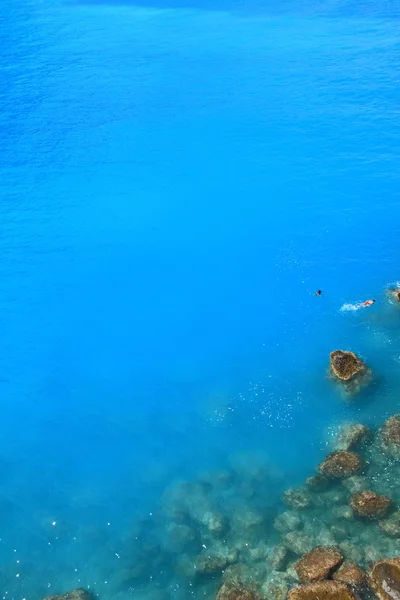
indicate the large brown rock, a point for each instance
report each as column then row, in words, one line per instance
column 369, row 505
column 235, row 591
column 318, row 564
column 351, row 574
column 345, row 365
column 322, row 590
column 385, row 576
column 78, row 594
column 341, row 464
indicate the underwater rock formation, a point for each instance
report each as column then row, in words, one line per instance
column 390, row 434
column 347, row 369
column 235, row 591
column 345, row 365
column 322, row 590
column 369, row 505
column 279, row 558
column 341, row 464
column 317, row 483
column 353, row 436
column 287, row 521
column 391, row 527
column 298, row 542
column 351, row 574
column 297, row 498
column 318, row 564
column 215, row 562
column 394, row 293
column 385, row 576
column 78, row 594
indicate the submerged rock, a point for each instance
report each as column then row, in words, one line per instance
column 297, row 498
column 317, row 483
column 356, row 483
column 322, row 590
column 78, row 594
column 352, row 552
column 390, row 527
column 216, row 523
column 298, row 542
column 369, row 505
column 345, row 365
column 279, row 558
column 390, row 434
column 385, row 576
column 287, row 521
column 394, row 293
column 235, row 591
column 353, row 436
column 216, row 561
column 318, row 564
column 341, row 464
column 351, row 574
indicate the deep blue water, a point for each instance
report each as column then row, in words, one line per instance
column 176, row 182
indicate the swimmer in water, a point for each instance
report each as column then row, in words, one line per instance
column 318, row 293
column 358, row 306
column 366, row 304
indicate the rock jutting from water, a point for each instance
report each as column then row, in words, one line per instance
column 341, row 464
column 385, row 577
column 369, row 505
column 235, row 591
column 318, row 563
column 322, row 590
column 394, row 293
column 351, row 574
column 349, row 370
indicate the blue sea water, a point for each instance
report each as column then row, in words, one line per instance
column 176, row 182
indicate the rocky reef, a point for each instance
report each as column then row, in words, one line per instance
column 244, row 534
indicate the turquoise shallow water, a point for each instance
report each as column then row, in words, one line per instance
column 176, row 183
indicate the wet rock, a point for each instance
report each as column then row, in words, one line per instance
column 317, row 483
column 351, row 574
column 298, row 542
column 335, row 496
column 215, row 562
column 235, row 591
column 276, row 591
column 353, row 436
column 78, row 594
column 345, row 365
column 318, row 564
column 343, row 513
column 279, row 558
column 341, row 464
column 322, row 590
column 287, row 521
column 351, row 552
column 390, row 434
column 394, row 293
column 385, row 576
column 390, row 527
column 239, row 573
column 297, row 498
column 369, row 505
column 339, row 532
column 216, row 524
column 357, row 483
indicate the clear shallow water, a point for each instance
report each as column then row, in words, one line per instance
column 176, row 183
